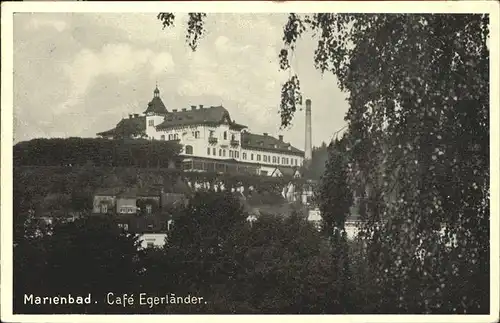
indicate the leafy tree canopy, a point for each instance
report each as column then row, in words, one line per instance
column 417, row 143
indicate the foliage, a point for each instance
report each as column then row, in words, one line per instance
column 98, row 152
column 316, row 166
column 90, row 255
column 418, row 143
column 335, row 196
column 195, row 26
column 274, row 265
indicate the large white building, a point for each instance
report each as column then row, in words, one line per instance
column 211, row 140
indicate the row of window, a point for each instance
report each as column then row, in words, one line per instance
column 104, row 209
column 222, row 153
column 236, row 154
column 195, row 134
column 218, row 167
column 274, row 159
column 170, row 137
column 224, row 135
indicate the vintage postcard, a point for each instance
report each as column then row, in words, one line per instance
column 305, row 159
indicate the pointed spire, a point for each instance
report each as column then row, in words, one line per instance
column 156, row 91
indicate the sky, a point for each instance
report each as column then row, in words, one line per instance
column 76, row 74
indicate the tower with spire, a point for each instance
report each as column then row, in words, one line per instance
column 155, row 112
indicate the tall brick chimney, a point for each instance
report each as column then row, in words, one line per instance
column 308, row 143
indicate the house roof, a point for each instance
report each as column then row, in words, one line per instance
column 126, row 127
column 267, row 143
column 156, row 106
column 288, row 171
column 199, row 115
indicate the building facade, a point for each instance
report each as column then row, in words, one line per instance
column 211, row 140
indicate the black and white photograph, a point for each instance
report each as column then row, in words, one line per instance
column 277, row 158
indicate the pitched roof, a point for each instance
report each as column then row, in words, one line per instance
column 288, row 171
column 127, row 127
column 156, row 106
column 267, row 143
column 211, row 115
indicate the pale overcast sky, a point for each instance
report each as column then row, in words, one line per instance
column 76, row 74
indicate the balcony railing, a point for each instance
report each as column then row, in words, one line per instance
column 235, row 142
column 212, row 140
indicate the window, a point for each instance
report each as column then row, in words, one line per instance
column 244, row 155
column 104, row 208
column 232, row 137
column 265, row 158
column 162, row 137
column 225, row 135
column 230, row 153
column 274, row 159
column 223, row 153
column 295, row 162
column 151, row 123
column 176, row 136
column 283, row 160
column 208, row 151
column 258, row 157
column 220, row 152
column 268, row 159
column 150, row 226
column 214, row 152
column 211, row 133
column 189, row 150
column 150, row 245
column 251, row 156
column 196, row 134
column 149, row 209
column 237, row 154
column 169, row 137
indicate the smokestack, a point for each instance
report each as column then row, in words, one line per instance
column 308, row 143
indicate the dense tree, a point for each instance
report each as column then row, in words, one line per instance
column 316, row 167
column 418, row 122
column 97, row 152
column 418, row 119
column 92, row 255
column 205, row 241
